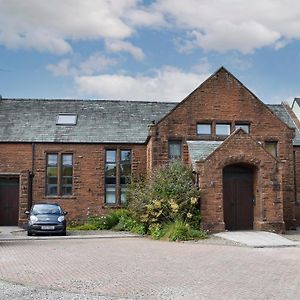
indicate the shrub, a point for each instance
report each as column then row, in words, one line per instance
column 127, row 223
column 168, row 195
column 99, row 222
column 167, row 203
column 156, row 231
column 137, row 197
column 181, row 231
column 85, row 226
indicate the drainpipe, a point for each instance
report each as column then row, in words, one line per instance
column 30, row 177
column 295, row 178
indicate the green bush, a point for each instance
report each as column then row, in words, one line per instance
column 127, row 223
column 168, row 195
column 137, row 196
column 181, row 231
column 167, row 203
column 85, row 226
column 156, row 231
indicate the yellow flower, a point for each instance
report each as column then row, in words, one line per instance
column 193, row 200
column 174, row 207
column 189, row 215
column 149, row 207
column 144, row 218
column 157, row 204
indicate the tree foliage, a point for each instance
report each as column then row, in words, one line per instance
column 169, row 194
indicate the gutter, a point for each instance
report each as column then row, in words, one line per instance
column 30, row 178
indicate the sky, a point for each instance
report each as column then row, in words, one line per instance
column 147, row 50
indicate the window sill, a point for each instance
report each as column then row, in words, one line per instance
column 113, row 205
column 60, row 197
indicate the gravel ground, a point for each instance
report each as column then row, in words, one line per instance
column 12, row 291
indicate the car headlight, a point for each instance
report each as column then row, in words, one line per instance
column 61, row 219
column 33, row 219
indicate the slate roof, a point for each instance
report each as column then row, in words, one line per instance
column 200, row 150
column 282, row 113
column 99, row 121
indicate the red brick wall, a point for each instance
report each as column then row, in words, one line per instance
column 223, row 99
column 297, row 183
column 89, row 164
column 15, row 159
column 241, row 149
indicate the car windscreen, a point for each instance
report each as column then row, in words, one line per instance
column 40, row 209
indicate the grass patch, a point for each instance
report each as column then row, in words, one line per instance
column 180, row 231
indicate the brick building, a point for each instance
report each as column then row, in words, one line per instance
column 82, row 154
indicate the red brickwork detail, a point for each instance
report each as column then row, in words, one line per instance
column 89, row 165
column 88, row 179
column 222, row 98
column 242, row 149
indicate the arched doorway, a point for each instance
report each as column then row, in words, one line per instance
column 238, row 197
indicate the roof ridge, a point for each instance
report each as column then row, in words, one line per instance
column 85, row 100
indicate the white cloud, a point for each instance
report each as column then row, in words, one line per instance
column 94, row 64
column 146, row 17
column 167, row 84
column 244, row 37
column 117, row 46
column 233, row 24
column 211, row 25
column 50, row 25
column 62, row 68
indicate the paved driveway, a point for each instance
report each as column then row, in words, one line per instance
column 139, row 268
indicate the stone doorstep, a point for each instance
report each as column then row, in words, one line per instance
column 257, row 239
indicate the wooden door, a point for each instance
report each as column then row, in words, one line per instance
column 238, row 198
column 9, row 201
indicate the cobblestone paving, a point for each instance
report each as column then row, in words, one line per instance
column 139, row 268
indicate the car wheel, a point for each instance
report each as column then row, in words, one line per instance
column 29, row 233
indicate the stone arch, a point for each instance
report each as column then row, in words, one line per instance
column 240, row 159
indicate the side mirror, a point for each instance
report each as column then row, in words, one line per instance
column 27, row 212
column 65, row 213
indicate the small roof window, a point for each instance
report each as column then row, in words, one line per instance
column 66, row 119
